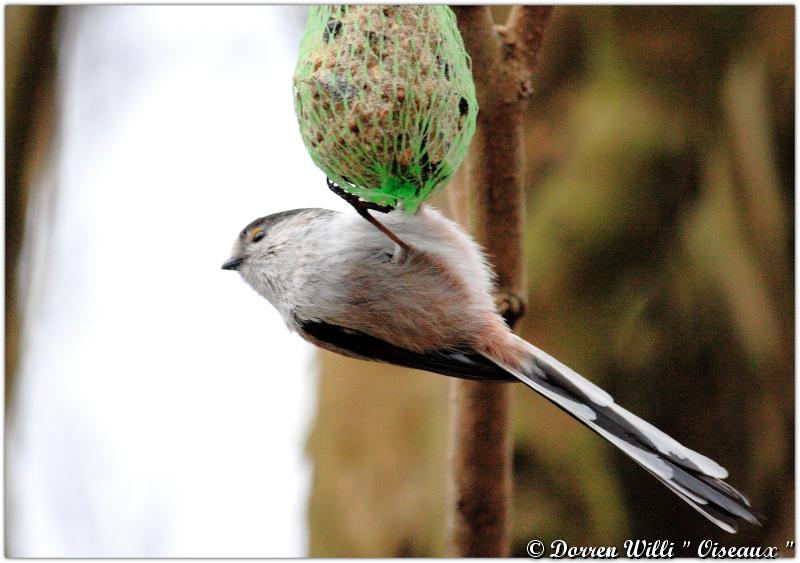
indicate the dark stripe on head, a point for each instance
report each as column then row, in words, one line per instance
column 270, row 221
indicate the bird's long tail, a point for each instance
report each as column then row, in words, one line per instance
column 692, row 476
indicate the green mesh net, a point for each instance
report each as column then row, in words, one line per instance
column 385, row 99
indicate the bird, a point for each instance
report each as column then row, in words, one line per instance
column 420, row 296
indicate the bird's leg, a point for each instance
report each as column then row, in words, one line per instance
column 510, row 306
column 381, row 227
column 362, row 208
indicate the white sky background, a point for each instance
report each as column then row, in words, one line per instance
column 162, row 406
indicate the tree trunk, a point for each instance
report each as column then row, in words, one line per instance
column 491, row 204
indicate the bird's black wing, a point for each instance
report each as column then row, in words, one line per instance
column 454, row 363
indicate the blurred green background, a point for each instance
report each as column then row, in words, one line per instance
column 660, row 242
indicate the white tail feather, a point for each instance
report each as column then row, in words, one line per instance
column 692, row 476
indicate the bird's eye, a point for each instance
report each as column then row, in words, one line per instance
column 257, row 236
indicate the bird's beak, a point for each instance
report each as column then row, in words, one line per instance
column 232, row 263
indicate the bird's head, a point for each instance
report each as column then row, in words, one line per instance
column 260, row 246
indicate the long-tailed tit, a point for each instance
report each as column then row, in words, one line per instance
column 344, row 286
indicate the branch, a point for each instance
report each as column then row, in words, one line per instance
column 482, row 44
column 527, row 24
column 480, row 443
